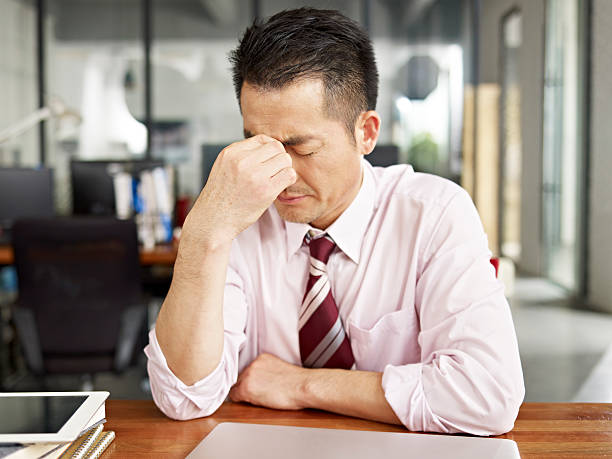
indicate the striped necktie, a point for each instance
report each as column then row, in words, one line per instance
column 323, row 342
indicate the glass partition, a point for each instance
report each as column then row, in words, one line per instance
column 562, row 142
column 18, row 84
column 511, row 138
column 93, row 51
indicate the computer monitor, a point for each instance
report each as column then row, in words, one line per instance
column 93, row 191
column 210, row 151
column 24, row 192
column 384, row 155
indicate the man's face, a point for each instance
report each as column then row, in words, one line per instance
column 324, row 156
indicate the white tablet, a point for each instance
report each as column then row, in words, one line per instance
column 54, row 417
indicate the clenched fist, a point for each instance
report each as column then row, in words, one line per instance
column 244, row 181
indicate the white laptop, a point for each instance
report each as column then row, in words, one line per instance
column 237, row 440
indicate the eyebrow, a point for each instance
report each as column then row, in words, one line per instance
column 290, row 141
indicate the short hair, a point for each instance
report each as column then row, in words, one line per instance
column 308, row 43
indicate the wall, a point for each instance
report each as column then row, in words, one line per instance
column 531, row 63
column 600, row 242
column 18, row 79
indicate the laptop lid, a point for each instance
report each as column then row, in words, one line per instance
column 237, row 440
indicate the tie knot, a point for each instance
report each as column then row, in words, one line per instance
column 321, row 248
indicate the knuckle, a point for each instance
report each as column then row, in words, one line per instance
column 260, row 188
column 225, row 151
column 242, row 165
column 278, row 145
column 246, row 387
column 236, row 394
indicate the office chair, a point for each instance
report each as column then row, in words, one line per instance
column 79, row 308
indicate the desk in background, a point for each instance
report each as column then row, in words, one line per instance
column 542, row 430
column 159, row 255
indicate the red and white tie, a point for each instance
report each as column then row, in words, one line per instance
column 323, row 342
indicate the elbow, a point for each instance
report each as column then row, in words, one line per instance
column 494, row 417
column 175, row 414
column 497, row 422
column 483, row 413
column 502, row 419
column 184, row 409
column 185, row 403
column 477, row 421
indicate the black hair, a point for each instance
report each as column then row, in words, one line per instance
column 308, row 43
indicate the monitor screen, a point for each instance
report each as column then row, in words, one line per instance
column 209, row 155
column 384, row 155
column 24, row 193
column 44, row 414
column 93, row 192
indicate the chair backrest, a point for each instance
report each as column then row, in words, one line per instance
column 77, row 276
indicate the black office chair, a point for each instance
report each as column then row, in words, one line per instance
column 80, row 309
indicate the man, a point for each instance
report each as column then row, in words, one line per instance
column 307, row 278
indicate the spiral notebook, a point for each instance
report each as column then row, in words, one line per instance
column 89, row 445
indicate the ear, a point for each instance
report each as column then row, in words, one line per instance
column 367, row 130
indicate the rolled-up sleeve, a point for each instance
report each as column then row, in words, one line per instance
column 179, row 401
column 470, row 377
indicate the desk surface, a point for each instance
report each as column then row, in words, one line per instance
column 159, row 255
column 543, row 430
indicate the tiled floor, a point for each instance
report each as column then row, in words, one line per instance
column 561, row 347
column 566, row 354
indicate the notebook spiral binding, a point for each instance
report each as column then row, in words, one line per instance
column 100, row 445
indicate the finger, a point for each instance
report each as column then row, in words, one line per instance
column 257, row 141
column 246, row 146
column 258, row 153
column 275, row 164
column 284, row 178
column 233, row 395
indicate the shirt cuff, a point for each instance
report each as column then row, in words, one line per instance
column 403, row 389
column 178, row 400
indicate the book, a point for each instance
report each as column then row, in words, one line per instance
column 89, row 445
column 56, row 453
column 100, row 445
column 79, row 448
column 37, row 450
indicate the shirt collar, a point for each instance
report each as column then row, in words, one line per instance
column 349, row 228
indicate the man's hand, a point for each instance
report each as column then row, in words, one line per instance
column 271, row 382
column 245, row 179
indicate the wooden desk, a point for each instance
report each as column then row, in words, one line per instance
column 542, row 430
column 159, row 255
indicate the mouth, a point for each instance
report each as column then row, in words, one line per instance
column 290, row 199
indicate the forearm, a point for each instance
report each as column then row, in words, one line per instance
column 352, row 393
column 189, row 328
column 272, row 382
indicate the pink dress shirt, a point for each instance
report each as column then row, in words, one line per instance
column 416, row 293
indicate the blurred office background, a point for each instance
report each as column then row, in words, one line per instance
column 109, row 104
